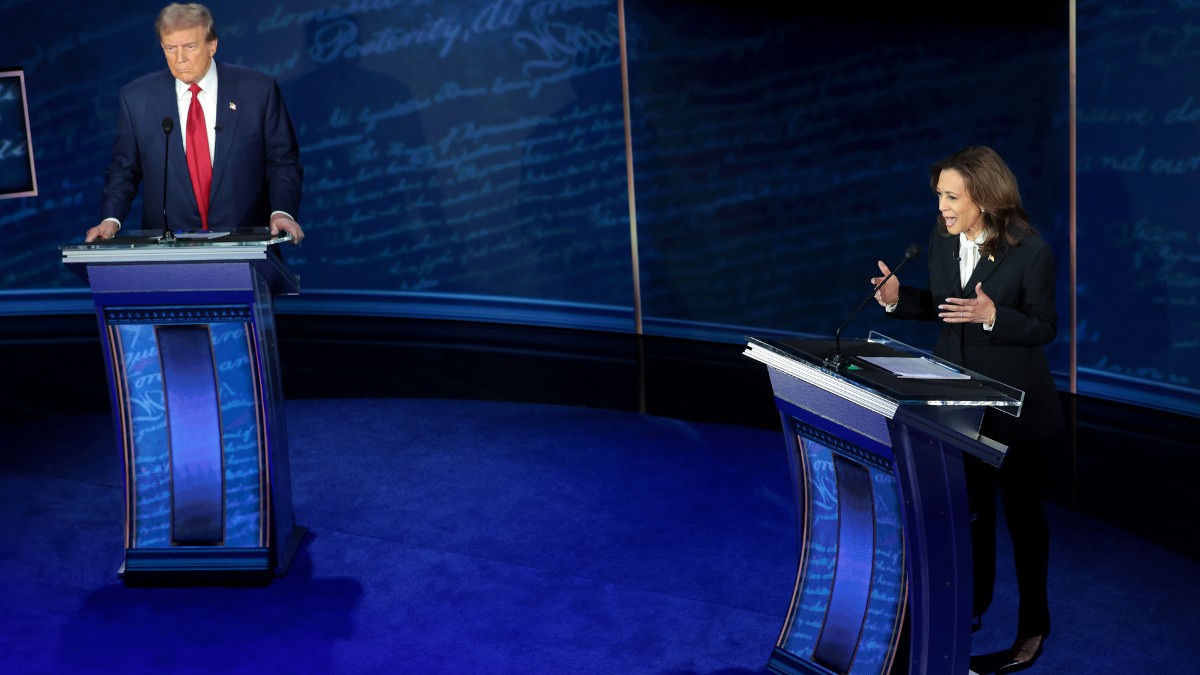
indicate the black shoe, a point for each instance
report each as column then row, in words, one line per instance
column 1023, row 654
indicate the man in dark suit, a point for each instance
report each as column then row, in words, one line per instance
column 992, row 288
column 234, row 162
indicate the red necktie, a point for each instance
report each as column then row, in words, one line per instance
column 199, row 163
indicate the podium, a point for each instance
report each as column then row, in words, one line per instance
column 188, row 335
column 884, row 577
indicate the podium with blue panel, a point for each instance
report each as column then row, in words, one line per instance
column 187, row 328
column 876, row 432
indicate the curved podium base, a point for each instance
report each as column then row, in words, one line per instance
column 208, row 565
column 189, row 340
column 883, row 585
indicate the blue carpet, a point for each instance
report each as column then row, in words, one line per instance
column 472, row 537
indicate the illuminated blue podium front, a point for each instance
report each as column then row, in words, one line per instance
column 884, row 577
column 187, row 329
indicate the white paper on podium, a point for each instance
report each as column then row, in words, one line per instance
column 916, row 367
column 200, row 235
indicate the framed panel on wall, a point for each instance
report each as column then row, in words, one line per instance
column 17, row 175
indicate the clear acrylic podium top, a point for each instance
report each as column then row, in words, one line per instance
column 257, row 246
column 141, row 245
column 861, row 375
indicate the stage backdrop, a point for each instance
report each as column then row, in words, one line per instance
column 1139, row 202
column 468, row 159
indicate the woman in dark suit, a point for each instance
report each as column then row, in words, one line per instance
column 991, row 285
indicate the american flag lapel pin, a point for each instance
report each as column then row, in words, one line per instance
column 232, row 105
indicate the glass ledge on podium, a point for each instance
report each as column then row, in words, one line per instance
column 956, row 402
column 254, row 245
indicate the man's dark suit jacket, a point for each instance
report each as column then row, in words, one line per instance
column 1020, row 280
column 256, row 167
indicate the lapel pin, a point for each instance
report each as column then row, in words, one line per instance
column 991, row 258
column 232, row 105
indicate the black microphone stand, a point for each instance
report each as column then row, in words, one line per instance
column 836, row 362
column 168, row 237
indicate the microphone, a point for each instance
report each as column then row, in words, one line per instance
column 836, row 361
column 168, row 125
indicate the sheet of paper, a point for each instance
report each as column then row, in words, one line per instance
column 917, row 367
column 199, row 235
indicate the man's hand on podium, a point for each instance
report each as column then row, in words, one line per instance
column 282, row 223
column 107, row 229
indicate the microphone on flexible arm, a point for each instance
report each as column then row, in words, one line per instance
column 167, row 125
column 836, row 361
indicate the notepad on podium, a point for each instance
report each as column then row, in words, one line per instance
column 916, row 367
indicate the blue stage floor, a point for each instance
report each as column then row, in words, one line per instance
column 490, row 537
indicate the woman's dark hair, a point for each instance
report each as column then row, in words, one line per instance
column 992, row 185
